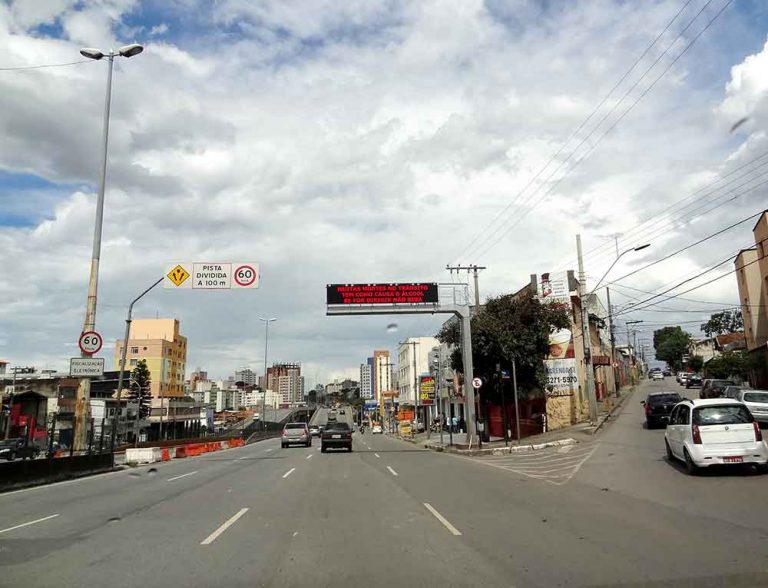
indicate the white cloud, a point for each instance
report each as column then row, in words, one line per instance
column 372, row 153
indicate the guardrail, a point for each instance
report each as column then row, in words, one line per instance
column 22, row 473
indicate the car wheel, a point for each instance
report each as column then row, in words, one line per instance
column 690, row 467
column 350, row 449
column 283, row 445
column 322, row 449
column 11, row 456
column 649, row 424
column 670, row 455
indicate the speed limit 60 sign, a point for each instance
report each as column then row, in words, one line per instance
column 90, row 342
column 245, row 275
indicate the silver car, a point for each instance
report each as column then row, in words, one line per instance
column 757, row 403
column 296, row 433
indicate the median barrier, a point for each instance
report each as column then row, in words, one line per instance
column 165, row 455
column 32, row 472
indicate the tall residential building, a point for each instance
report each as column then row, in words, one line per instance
column 413, row 361
column 247, row 376
column 382, row 374
column 752, row 277
column 366, row 390
column 286, row 380
column 159, row 342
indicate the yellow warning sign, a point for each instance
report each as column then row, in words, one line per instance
column 178, row 275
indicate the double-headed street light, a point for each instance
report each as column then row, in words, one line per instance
column 266, row 322
column 84, row 389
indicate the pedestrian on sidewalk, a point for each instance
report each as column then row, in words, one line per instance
column 462, row 425
column 454, row 424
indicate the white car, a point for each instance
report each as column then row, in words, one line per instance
column 657, row 376
column 376, row 430
column 714, row 431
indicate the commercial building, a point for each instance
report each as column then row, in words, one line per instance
column 286, row 380
column 412, row 361
column 752, row 278
column 247, row 376
column 159, row 342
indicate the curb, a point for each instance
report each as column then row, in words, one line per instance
column 503, row 450
column 606, row 417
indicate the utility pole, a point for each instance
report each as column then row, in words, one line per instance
column 474, row 269
column 611, row 330
column 413, row 345
column 586, row 338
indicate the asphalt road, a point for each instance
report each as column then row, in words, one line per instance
column 610, row 511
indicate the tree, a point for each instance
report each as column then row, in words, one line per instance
column 671, row 343
column 141, row 390
column 731, row 364
column 509, row 327
column 727, row 321
column 695, row 363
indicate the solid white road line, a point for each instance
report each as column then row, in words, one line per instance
column 288, row 473
column 29, row 523
column 377, row 455
column 182, row 476
column 310, row 455
column 394, row 473
column 442, row 519
column 212, row 537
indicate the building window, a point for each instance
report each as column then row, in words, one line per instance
column 134, row 361
column 134, row 349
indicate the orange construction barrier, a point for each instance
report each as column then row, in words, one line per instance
column 166, row 455
column 181, row 451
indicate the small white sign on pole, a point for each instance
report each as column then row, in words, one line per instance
column 477, row 383
column 86, row 366
column 212, row 275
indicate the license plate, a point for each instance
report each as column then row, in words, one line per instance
column 733, row 459
column 335, row 436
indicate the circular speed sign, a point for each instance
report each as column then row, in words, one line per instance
column 477, row 383
column 245, row 275
column 90, row 342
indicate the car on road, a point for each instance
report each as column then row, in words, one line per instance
column 657, row 375
column 756, row 401
column 314, row 430
column 693, row 380
column 15, row 447
column 336, row 436
column 653, row 371
column 681, row 377
column 658, row 406
column 376, row 429
column 667, row 372
column 296, row 433
column 708, row 432
column 711, row 388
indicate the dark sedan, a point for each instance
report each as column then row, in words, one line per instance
column 658, row 406
column 337, row 435
column 693, row 380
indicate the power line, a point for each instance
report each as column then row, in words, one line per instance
column 26, row 67
column 518, row 219
column 516, row 198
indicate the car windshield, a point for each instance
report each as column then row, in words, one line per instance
column 756, row 397
column 295, row 426
column 723, row 414
column 664, row 398
column 337, row 427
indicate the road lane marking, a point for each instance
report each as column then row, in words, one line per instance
column 442, row 519
column 182, row 476
column 29, row 523
column 288, row 473
column 565, row 449
column 394, row 473
column 310, row 455
column 268, row 450
column 212, row 537
column 377, row 455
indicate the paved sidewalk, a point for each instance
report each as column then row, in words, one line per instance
column 582, row 432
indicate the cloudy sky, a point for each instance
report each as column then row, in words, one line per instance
column 369, row 142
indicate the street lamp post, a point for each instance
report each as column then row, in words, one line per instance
column 266, row 380
column 586, row 337
column 84, row 387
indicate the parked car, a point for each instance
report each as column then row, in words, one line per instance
column 667, row 372
column 756, row 401
column 658, row 405
column 14, row 447
column 716, row 431
column 336, row 435
column 314, row 430
column 377, row 430
column 296, row 433
column 693, row 380
column 712, row 388
column 681, row 377
column 657, row 375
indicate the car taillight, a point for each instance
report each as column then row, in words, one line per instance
column 647, row 409
column 758, row 432
column 696, row 435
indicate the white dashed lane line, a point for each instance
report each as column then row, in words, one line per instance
column 377, row 455
column 393, row 472
column 289, row 472
column 212, row 537
column 310, row 455
column 442, row 519
column 27, row 524
column 182, row 476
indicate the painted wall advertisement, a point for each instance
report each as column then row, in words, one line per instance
column 562, row 377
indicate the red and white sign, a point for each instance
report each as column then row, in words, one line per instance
column 245, row 275
column 90, row 342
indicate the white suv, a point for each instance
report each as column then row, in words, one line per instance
column 714, row 431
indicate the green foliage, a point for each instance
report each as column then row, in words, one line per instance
column 141, row 390
column 508, row 328
column 727, row 321
column 731, row 364
column 695, row 363
column 671, row 343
